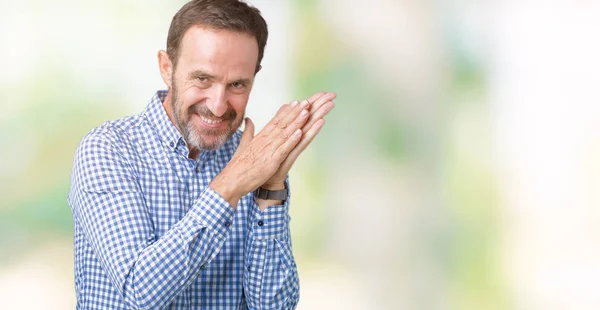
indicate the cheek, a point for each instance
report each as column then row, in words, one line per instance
column 190, row 96
column 238, row 103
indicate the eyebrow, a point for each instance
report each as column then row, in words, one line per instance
column 243, row 81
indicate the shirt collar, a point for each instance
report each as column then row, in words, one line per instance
column 156, row 114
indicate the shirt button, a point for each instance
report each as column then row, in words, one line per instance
column 202, row 267
column 227, row 224
column 182, row 142
column 261, row 223
column 171, row 144
column 248, row 268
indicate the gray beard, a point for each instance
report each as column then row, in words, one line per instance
column 191, row 136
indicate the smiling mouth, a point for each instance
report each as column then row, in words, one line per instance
column 210, row 120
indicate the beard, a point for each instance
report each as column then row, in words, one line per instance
column 206, row 138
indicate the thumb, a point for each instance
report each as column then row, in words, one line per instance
column 248, row 133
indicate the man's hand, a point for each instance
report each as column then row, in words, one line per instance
column 319, row 105
column 258, row 158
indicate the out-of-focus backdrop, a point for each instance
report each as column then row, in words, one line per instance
column 459, row 170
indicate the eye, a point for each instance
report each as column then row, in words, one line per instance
column 202, row 79
column 237, row 85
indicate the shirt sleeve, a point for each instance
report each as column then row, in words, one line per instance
column 270, row 276
column 109, row 206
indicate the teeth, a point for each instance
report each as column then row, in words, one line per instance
column 210, row 121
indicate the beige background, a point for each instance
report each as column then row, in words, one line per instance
column 459, row 170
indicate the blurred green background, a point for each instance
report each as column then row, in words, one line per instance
column 459, row 170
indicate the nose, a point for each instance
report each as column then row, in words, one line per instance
column 216, row 101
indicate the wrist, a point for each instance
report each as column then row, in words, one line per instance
column 271, row 194
column 274, row 186
column 227, row 189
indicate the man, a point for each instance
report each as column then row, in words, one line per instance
column 164, row 203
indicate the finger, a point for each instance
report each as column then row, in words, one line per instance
column 282, row 111
column 316, row 96
column 279, row 116
column 280, row 123
column 307, row 138
column 295, row 110
column 321, row 101
column 318, row 114
column 248, row 134
column 295, row 125
column 284, row 149
column 319, row 108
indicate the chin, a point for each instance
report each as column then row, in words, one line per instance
column 212, row 142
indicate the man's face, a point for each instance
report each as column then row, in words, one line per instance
column 211, row 84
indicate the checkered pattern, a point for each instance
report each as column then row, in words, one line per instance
column 151, row 234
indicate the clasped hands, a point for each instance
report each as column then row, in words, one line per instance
column 265, row 159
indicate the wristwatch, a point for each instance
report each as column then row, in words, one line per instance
column 271, row 195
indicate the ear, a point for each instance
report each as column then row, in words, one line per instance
column 166, row 67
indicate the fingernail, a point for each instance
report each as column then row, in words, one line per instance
column 294, row 103
column 297, row 133
column 303, row 113
column 304, row 103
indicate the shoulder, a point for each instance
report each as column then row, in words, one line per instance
column 112, row 138
column 103, row 160
column 115, row 133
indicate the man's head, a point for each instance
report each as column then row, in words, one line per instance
column 214, row 50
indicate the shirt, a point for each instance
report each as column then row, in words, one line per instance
column 149, row 233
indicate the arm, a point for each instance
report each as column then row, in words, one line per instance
column 264, row 160
column 270, row 277
column 108, row 204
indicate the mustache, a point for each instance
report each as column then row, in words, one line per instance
column 205, row 111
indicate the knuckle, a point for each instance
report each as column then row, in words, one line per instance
column 300, row 120
column 284, row 136
column 282, row 152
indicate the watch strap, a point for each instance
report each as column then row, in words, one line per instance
column 271, row 195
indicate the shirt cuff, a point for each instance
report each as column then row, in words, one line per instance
column 273, row 222
column 212, row 211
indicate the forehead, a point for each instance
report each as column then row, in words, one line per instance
column 218, row 51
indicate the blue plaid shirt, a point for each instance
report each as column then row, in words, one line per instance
column 151, row 234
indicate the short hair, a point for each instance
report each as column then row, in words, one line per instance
column 233, row 15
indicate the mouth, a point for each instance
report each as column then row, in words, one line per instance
column 210, row 122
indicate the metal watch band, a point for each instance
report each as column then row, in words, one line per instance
column 271, row 195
